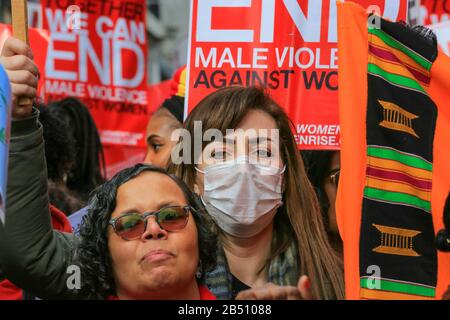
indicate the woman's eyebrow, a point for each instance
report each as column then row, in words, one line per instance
column 151, row 137
column 229, row 140
column 131, row 210
column 155, row 208
column 260, row 139
column 169, row 203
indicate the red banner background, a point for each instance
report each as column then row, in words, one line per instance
column 288, row 46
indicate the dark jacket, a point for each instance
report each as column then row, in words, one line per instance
column 8, row 291
column 32, row 255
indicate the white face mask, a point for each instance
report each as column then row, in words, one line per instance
column 241, row 197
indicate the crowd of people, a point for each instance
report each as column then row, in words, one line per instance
column 238, row 219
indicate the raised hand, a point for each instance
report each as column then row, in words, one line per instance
column 17, row 59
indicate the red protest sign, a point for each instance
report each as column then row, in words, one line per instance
column 117, row 157
column 434, row 11
column 288, row 46
column 98, row 52
column 442, row 31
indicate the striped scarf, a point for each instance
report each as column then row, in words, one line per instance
column 283, row 271
column 393, row 97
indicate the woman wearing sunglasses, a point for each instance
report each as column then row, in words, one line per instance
column 257, row 192
column 145, row 236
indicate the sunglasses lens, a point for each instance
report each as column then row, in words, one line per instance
column 130, row 226
column 172, row 219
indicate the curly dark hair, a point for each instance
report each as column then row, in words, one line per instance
column 92, row 252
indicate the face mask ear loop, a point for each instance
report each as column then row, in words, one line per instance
column 283, row 179
column 198, row 170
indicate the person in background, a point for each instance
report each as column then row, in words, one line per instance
column 443, row 238
column 160, row 128
column 87, row 168
column 167, row 119
column 267, row 216
column 60, row 158
column 88, row 171
column 323, row 168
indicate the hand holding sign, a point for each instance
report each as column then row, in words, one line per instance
column 20, row 29
column 16, row 58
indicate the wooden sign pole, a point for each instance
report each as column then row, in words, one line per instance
column 19, row 13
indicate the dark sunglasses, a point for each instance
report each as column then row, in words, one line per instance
column 131, row 226
column 334, row 177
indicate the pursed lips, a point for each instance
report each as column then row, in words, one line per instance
column 157, row 255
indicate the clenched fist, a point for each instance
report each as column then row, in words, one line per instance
column 17, row 59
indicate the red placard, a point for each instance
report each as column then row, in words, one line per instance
column 442, row 31
column 98, row 53
column 117, row 157
column 288, row 46
column 434, row 11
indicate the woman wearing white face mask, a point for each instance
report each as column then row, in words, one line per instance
column 241, row 195
column 256, row 190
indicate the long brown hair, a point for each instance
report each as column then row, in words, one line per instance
column 224, row 109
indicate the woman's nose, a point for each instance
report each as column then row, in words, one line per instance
column 148, row 158
column 153, row 230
